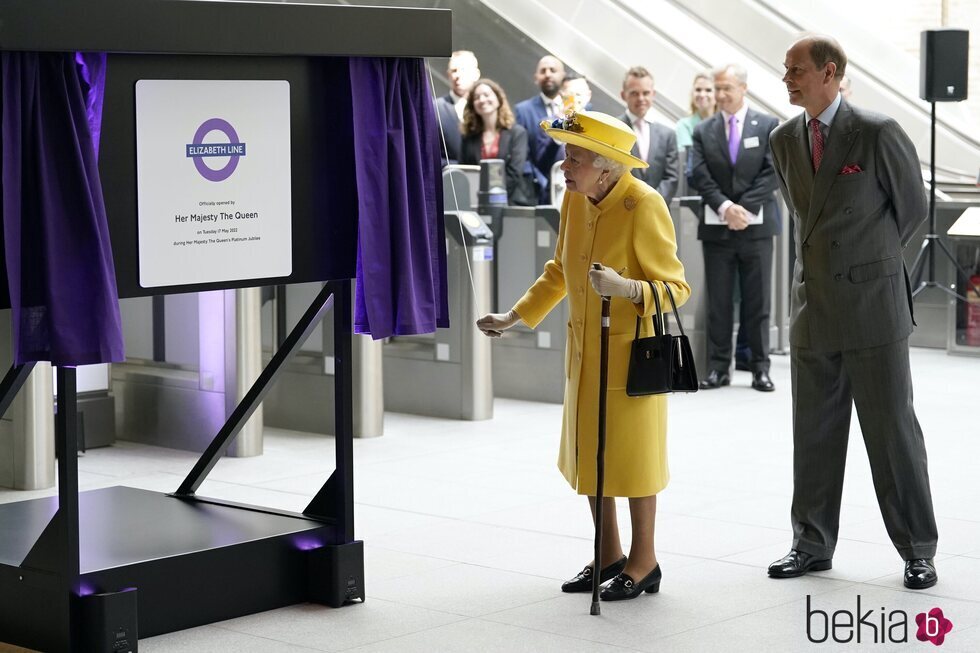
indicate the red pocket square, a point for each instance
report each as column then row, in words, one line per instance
column 850, row 170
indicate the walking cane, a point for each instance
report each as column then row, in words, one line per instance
column 600, row 452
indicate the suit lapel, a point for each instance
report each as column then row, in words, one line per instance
column 839, row 142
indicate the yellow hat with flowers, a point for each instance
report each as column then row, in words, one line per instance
column 597, row 132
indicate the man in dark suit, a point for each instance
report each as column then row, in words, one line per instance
column 544, row 150
column 463, row 71
column 732, row 169
column 852, row 179
column 656, row 144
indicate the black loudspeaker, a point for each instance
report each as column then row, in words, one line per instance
column 107, row 622
column 336, row 573
column 943, row 56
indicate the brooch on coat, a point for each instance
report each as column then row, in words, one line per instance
column 629, row 203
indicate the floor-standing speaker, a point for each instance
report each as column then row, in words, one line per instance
column 943, row 57
column 108, row 622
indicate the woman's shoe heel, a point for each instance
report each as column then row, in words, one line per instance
column 653, row 589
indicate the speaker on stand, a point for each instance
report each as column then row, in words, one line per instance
column 943, row 55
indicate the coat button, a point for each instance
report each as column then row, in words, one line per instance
column 582, row 257
column 838, row 276
column 848, row 211
column 835, row 244
column 588, row 224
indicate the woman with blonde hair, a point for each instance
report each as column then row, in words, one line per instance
column 702, row 107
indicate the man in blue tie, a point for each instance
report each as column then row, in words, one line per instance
column 547, row 104
column 732, row 168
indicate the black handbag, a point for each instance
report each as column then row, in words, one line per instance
column 663, row 362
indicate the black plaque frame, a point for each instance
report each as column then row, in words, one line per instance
column 194, row 560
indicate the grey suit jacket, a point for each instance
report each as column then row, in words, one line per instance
column 751, row 182
column 663, row 172
column 850, row 286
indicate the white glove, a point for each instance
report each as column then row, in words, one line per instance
column 494, row 324
column 608, row 283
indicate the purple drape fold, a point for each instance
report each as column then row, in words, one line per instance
column 401, row 253
column 59, row 268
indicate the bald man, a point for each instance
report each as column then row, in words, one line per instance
column 547, row 104
column 462, row 71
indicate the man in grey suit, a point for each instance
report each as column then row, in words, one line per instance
column 656, row 144
column 852, row 179
column 732, row 168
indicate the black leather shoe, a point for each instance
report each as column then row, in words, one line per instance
column 920, row 574
column 796, row 563
column 742, row 365
column 715, row 379
column 583, row 580
column 762, row 382
column 624, row 587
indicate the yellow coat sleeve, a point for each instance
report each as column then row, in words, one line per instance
column 549, row 289
column 655, row 245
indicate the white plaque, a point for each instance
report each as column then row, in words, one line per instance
column 213, row 181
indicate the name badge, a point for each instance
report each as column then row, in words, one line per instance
column 749, row 143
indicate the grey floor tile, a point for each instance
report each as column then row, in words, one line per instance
column 328, row 629
column 465, row 589
column 478, row 636
column 216, row 640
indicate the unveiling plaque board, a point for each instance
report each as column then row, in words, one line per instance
column 213, row 180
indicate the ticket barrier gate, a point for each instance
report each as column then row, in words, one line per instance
column 527, row 364
column 301, row 399
column 191, row 359
column 448, row 373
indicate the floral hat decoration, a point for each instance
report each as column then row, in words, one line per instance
column 597, row 132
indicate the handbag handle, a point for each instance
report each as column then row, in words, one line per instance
column 670, row 296
column 659, row 319
column 659, row 327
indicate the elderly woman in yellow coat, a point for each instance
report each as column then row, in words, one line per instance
column 610, row 217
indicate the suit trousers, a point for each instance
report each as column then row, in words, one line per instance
column 879, row 382
column 751, row 260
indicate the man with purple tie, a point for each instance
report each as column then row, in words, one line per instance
column 732, row 168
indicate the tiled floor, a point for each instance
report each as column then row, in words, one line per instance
column 469, row 529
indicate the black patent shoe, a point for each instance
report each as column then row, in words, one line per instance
column 797, row 563
column 920, row 574
column 583, row 580
column 624, row 587
column 715, row 379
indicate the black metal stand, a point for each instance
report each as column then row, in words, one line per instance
column 193, row 559
column 927, row 253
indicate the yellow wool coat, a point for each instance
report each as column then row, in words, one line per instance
column 630, row 230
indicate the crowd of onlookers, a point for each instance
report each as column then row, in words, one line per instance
column 727, row 163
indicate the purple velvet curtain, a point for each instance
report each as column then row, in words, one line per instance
column 58, row 260
column 401, row 252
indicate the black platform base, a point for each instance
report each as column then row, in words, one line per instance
column 193, row 562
